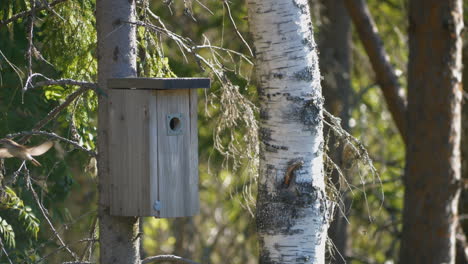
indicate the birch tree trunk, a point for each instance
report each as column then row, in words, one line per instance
column 118, row 236
column 432, row 179
column 292, row 210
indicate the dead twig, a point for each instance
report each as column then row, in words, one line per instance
column 29, row 12
column 84, row 86
column 226, row 4
column 32, row 17
column 46, row 215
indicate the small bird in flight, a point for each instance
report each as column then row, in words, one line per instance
column 12, row 149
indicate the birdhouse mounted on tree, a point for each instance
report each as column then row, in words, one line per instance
column 153, row 146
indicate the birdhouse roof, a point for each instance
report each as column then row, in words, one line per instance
column 158, row 83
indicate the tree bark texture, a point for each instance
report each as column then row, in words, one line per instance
column 118, row 236
column 432, row 179
column 462, row 249
column 292, row 209
column 386, row 77
column 335, row 64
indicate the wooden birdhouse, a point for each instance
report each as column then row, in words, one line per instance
column 153, row 151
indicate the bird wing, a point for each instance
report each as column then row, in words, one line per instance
column 4, row 153
column 40, row 149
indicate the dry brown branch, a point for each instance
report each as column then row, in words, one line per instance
column 167, row 258
column 84, row 86
column 29, row 12
column 386, row 77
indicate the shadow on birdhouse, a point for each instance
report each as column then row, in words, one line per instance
column 153, row 150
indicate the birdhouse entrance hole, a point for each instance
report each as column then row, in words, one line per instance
column 174, row 124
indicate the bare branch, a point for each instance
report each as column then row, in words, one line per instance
column 30, row 35
column 45, row 214
column 168, row 258
column 226, row 4
column 53, row 114
column 224, row 49
column 61, row 248
column 90, row 243
column 29, row 12
column 48, row 81
column 4, row 251
column 53, row 135
column 84, row 86
column 386, row 77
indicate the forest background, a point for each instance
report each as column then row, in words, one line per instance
column 224, row 232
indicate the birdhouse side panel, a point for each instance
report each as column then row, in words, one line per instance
column 129, row 152
column 194, row 207
column 174, row 152
column 153, row 161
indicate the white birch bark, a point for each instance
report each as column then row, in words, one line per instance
column 292, row 219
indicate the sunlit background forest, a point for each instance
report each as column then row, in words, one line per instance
column 224, row 231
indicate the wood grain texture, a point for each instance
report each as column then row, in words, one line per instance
column 158, row 83
column 148, row 162
column 129, row 152
column 194, row 207
column 174, row 154
column 153, row 161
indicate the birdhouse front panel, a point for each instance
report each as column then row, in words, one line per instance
column 154, row 147
column 177, row 144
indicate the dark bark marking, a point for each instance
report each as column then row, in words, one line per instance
column 310, row 114
column 308, row 41
column 278, row 213
column 302, row 7
column 273, row 148
column 305, row 74
column 278, row 75
column 265, row 134
column 306, row 111
column 116, row 22
column 116, row 53
column 264, row 114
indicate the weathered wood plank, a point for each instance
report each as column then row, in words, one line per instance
column 193, row 203
column 173, row 153
column 158, row 83
column 153, row 162
column 129, row 152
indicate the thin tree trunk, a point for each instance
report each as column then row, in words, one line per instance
column 462, row 250
column 335, row 63
column 119, row 241
column 292, row 210
column 432, row 179
column 384, row 72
